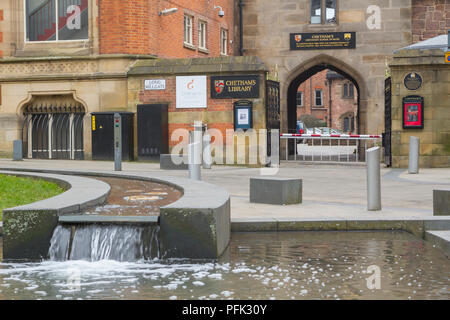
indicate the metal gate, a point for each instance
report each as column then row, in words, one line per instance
column 272, row 110
column 53, row 132
column 387, row 122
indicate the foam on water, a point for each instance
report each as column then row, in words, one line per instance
column 275, row 266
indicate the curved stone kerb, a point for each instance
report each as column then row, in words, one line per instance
column 80, row 193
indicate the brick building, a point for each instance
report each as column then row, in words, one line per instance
column 330, row 97
column 87, row 56
column 74, row 57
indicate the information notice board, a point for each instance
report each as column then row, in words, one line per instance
column 321, row 41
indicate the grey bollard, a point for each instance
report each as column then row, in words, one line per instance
column 117, row 142
column 17, row 150
column 413, row 163
column 373, row 179
column 194, row 155
column 207, row 158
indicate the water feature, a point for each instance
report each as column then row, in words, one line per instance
column 104, row 242
column 288, row 265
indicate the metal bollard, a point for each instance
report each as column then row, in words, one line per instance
column 17, row 150
column 413, row 163
column 117, row 142
column 194, row 154
column 373, row 179
column 207, row 158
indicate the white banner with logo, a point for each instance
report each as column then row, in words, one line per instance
column 191, row 92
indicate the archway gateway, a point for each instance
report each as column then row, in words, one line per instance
column 302, row 77
column 308, row 69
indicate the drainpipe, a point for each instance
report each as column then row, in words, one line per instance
column 330, row 82
column 241, row 29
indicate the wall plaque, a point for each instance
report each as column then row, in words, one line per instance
column 413, row 81
column 235, row 87
column 321, row 41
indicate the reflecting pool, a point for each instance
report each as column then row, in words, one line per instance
column 288, row 265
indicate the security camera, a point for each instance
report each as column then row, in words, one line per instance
column 221, row 12
column 166, row 12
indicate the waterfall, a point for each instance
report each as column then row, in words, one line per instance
column 104, row 242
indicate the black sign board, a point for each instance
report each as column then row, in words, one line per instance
column 413, row 81
column 320, row 41
column 243, row 117
column 235, row 87
column 413, row 114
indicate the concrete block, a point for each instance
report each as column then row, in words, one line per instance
column 166, row 162
column 440, row 239
column 197, row 226
column 275, row 190
column 27, row 234
column 441, row 202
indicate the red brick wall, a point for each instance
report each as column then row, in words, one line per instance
column 317, row 81
column 135, row 27
column 339, row 106
column 342, row 106
column 430, row 18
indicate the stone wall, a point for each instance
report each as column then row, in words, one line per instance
column 435, row 136
column 98, row 84
column 268, row 23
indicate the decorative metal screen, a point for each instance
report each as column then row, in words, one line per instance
column 53, row 132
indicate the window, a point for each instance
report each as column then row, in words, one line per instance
column 299, row 99
column 188, row 29
column 223, row 41
column 55, row 20
column 323, row 11
column 349, row 124
column 202, row 34
column 318, row 99
column 348, row 90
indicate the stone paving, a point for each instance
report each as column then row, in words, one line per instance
column 328, row 191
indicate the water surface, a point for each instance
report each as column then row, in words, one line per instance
column 289, row 265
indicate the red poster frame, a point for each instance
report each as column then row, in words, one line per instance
column 412, row 111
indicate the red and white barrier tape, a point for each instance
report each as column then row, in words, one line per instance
column 361, row 136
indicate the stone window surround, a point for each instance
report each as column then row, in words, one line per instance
column 188, row 22
column 350, row 93
column 202, row 36
column 322, row 24
column 301, row 95
column 223, row 41
column 21, row 47
column 315, row 97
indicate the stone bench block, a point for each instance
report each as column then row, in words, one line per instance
column 166, row 162
column 441, row 202
column 275, row 190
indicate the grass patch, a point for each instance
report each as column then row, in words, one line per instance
column 16, row 191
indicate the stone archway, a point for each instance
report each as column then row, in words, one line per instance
column 307, row 69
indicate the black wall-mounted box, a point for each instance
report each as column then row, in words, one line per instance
column 103, row 135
